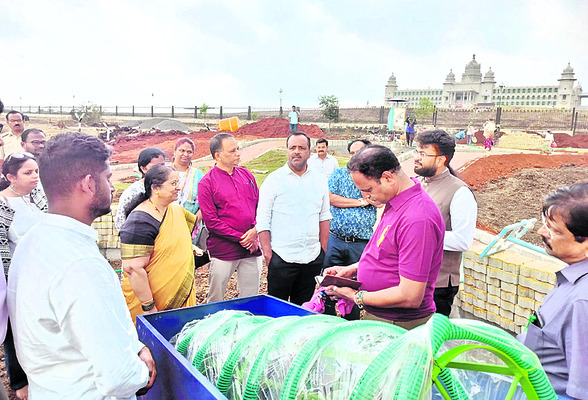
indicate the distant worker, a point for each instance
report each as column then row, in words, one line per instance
column 322, row 161
column 470, row 132
column 557, row 333
column 400, row 263
column 489, row 128
column 10, row 141
column 353, row 220
column 228, row 197
column 294, row 115
column 410, row 123
column 293, row 223
column 457, row 204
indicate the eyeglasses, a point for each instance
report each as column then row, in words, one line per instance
column 14, row 120
column 26, row 154
column 422, row 154
column 38, row 142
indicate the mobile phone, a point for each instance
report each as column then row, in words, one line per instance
column 337, row 281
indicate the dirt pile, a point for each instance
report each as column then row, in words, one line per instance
column 276, row 128
column 496, row 167
column 564, row 140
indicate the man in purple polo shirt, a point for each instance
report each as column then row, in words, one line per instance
column 400, row 263
column 228, row 197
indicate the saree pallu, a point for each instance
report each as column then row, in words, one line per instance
column 170, row 270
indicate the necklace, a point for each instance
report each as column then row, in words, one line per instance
column 154, row 206
column 15, row 192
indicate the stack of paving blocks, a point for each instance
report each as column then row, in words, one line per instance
column 524, row 141
column 107, row 233
column 505, row 288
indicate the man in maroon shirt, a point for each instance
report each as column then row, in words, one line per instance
column 228, row 197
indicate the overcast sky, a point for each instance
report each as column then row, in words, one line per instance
column 238, row 53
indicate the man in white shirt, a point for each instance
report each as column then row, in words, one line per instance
column 322, row 161
column 293, row 223
column 73, row 333
column 435, row 149
column 293, row 115
column 10, row 141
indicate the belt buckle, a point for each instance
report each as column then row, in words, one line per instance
column 349, row 239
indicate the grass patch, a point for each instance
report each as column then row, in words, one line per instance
column 273, row 160
column 269, row 161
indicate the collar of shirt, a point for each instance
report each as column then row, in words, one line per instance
column 63, row 221
column 400, row 199
column 287, row 170
column 573, row 272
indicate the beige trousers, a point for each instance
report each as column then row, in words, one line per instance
column 220, row 271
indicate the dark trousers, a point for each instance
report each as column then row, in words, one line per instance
column 443, row 297
column 293, row 281
column 340, row 252
column 16, row 376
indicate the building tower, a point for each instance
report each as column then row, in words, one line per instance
column 391, row 88
column 565, row 91
column 487, row 88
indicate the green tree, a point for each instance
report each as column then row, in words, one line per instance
column 91, row 114
column 330, row 108
column 203, row 109
column 425, row 109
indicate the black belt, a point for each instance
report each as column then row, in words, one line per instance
column 349, row 239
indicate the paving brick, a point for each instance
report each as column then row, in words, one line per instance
column 480, row 285
column 507, row 305
column 469, row 289
column 508, row 277
column 520, row 321
column 510, row 268
column 525, row 292
column 493, row 281
column 509, row 315
column 494, row 262
column 540, row 297
column 508, row 287
column 506, row 323
column 508, row 296
column 479, row 276
column 541, row 271
column 491, row 308
column 526, row 302
column 536, row 285
column 493, row 317
column 468, row 307
column 468, row 262
column 479, row 267
column 493, row 272
column 469, row 280
column 523, row 312
column 493, row 290
column 493, row 299
column 480, row 294
column 480, row 312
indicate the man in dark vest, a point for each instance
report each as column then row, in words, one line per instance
column 435, row 149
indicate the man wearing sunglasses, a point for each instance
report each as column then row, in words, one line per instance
column 558, row 333
column 435, row 149
column 10, row 141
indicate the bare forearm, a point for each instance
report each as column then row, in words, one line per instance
column 345, row 202
column 266, row 245
column 140, row 285
column 324, row 233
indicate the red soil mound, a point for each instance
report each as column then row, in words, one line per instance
column 128, row 147
column 565, row 140
column 276, row 128
column 495, row 167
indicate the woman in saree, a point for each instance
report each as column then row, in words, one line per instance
column 156, row 247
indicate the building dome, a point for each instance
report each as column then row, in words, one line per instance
column 392, row 80
column 450, row 77
column 568, row 73
column 489, row 77
column 472, row 72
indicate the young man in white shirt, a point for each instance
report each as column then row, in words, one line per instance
column 322, row 161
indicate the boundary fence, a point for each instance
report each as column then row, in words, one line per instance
column 574, row 121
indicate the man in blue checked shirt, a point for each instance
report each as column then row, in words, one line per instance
column 352, row 223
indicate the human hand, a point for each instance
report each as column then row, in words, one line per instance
column 339, row 292
column 337, row 270
column 248, row 237
column 146, row 356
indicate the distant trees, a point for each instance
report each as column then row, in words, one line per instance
column 425, row 109
column 330, row 108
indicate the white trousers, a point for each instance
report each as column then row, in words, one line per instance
column 220, row 271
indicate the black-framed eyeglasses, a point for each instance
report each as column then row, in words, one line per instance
column 422, row 154
column 38, row 142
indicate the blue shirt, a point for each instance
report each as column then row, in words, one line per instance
column 355, row 222
column 560, row 340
